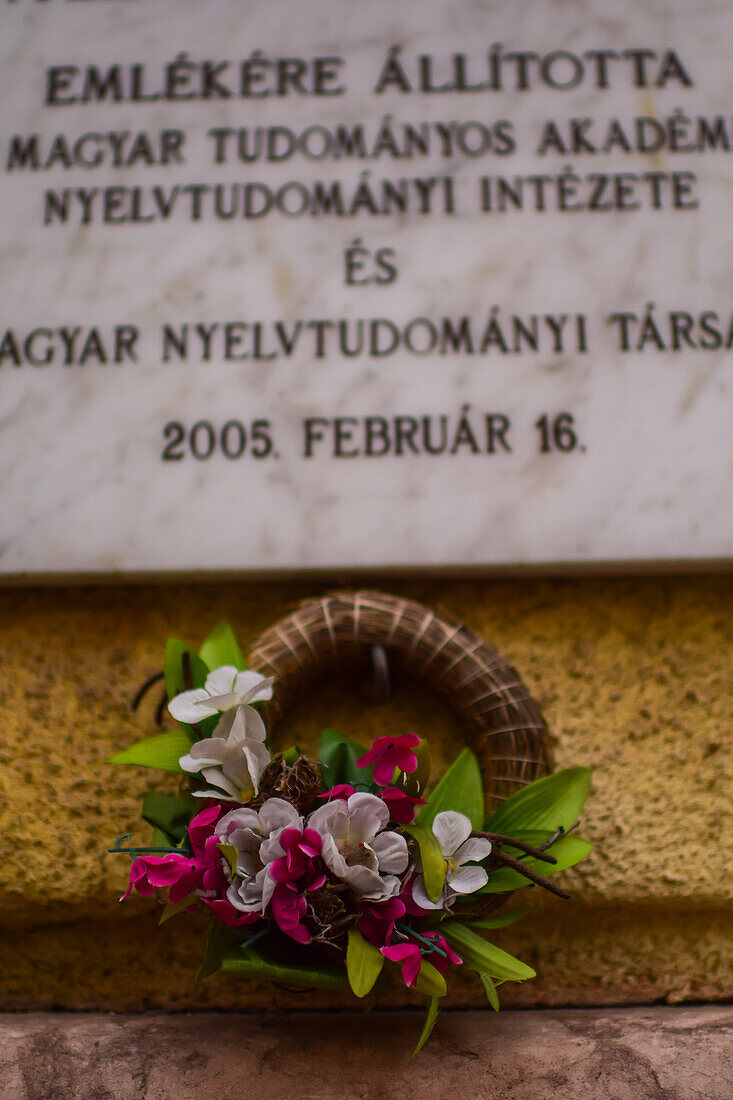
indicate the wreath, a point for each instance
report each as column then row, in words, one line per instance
column 356, row 868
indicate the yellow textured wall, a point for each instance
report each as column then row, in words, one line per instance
column 635, row 678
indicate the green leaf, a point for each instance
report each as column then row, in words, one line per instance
column 552, row 802
column 338, row 756
column 221, row 940
column 169, row 813
column 482, row 956
column 231, row 855
column 502, row 921
column 172, row 910
column 490, row 990
column 568, row 851
column 161, row 752
column 536, row 837
column 176, row 679
column 222, row 648
column 291, row 755
column 461, row 789
column 430, row 981
column 430, row 1019
column 431, row 857
column 377, row 990
column 364, row 963
column 261, row 963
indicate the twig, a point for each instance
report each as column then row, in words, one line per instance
column 517, row 865
column 499, row 838
column 142, row 691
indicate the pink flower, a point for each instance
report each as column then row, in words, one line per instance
column 411, row 906
column 441, row 962
column 411, row 956
column 290, row 876
column 151, row 873
column 341, row 790
column 288, row 907
column 202, row 825
column 401, row 805
column 301, row 852
column 388, row 753
column 377, row 920
column 227, row 914
column 200, row 873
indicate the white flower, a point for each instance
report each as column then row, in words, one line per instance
column 356, row 849
column 247, row 830
column 234, row 758
column 232, row 764
column 453, row 831
column 225, row 691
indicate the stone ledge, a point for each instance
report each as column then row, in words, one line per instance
column 591, row 1054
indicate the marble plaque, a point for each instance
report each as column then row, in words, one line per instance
column 308, row 284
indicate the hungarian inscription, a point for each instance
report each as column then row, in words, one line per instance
column 248, row 253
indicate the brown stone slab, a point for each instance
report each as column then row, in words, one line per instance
column 591, row 1054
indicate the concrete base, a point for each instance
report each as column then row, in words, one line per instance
column 587, row 1054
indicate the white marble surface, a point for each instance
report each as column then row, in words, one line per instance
column 84, row 489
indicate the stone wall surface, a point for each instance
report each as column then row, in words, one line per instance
column 618, row 1054
column 635, row 678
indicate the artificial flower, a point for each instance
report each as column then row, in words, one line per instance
column 288, row 907
column 441, row 955
column 411, row 956
column 232, row 764
column 225, row 690
column 377, row 920
column 388, row 753
column 225, row 912
column 400, row 804
column 341, row 790
column 356, row 847
column 453, row 832
column 300, row 851
column 246, row 830
column 201, row 873
column 293, row 868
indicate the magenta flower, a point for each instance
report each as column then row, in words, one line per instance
column 288, row 907
column 289, row 877
column 401, row 805
column 227, row 914
column 388, row 753
column 151, row 873
column 341, row 790
column 301, row 850
column 441, row 962
column 202, row 825
column 411, row 956
column 377, row 920
column 201, row 873
column 411, row 906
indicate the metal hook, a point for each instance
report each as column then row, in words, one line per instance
column 380, row 674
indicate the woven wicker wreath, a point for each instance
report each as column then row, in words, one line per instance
column 351, row 871
column 502, row 722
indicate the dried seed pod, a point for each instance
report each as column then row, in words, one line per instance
column 299, row 783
